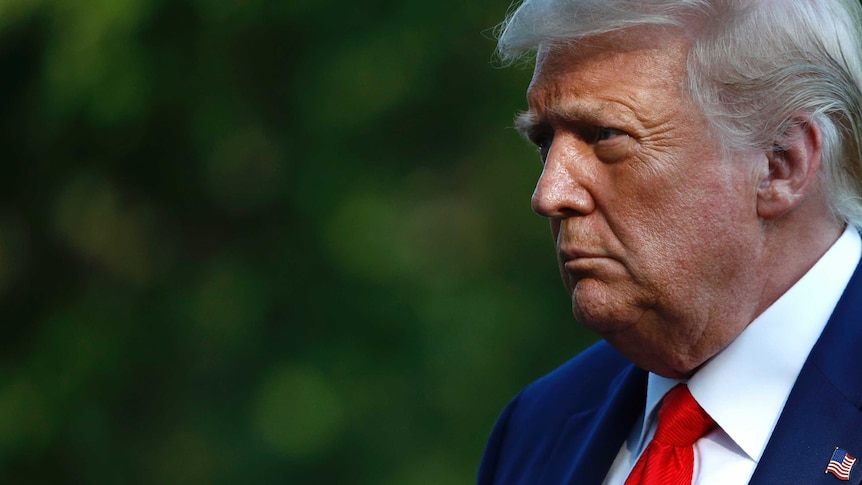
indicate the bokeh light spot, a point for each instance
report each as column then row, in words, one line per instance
column 92, row 218
column 228, row 307
column 297, row 412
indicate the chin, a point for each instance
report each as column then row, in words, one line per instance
column 603, row 318
column 603, row 311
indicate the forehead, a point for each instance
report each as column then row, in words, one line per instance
column 624, row 71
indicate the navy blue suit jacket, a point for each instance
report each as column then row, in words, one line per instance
column 567, row 427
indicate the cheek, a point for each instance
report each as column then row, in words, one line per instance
column 698, row 244
column 676, row 233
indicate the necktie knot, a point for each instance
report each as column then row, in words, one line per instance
column 669, row 457
column 681, row 420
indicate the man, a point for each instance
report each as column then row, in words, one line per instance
column 702, row 175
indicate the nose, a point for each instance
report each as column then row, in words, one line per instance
column 562, row 189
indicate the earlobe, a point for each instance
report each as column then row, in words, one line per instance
column 792, row 173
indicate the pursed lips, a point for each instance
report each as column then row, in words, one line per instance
column 578, row 261
column 573, row 254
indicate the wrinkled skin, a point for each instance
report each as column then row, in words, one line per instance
column 659, row 237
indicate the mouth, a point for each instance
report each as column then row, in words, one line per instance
column 579, row 263
column 569, row 255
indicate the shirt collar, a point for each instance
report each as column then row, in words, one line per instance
column 758, row 369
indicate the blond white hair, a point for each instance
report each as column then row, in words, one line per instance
column 755, row 68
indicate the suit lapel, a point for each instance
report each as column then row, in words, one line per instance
column 586, row 461
column 823, row 409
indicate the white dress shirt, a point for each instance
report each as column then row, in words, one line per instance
column 744, row 387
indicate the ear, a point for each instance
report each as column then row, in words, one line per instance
column 792, row 170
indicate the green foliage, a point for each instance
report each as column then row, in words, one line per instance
column 264, row 242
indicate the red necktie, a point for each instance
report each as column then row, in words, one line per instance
column 669, row 458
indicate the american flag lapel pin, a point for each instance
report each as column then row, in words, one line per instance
column 840, row 464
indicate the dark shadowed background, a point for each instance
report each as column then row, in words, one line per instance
column 248, row 241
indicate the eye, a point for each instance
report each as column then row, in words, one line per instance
column 604, row 133
column 542, row 138
column 544, row 146
column 611, row 145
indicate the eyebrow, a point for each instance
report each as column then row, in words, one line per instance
column 527, row 124
column 533, row 126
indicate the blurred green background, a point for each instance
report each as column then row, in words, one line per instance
column 248, row 241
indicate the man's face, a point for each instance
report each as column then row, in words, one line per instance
column 656, row 231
